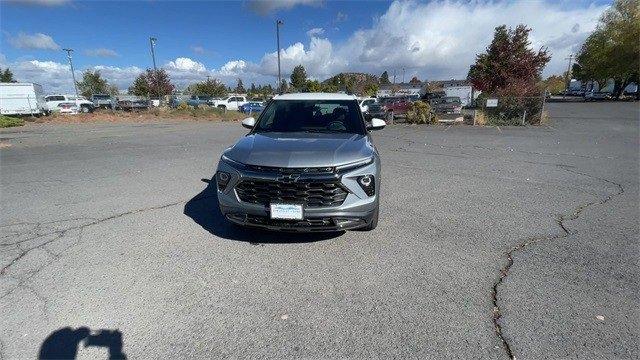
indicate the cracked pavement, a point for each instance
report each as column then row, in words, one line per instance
column 532, row 231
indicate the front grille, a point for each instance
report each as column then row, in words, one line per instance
column 310, row 193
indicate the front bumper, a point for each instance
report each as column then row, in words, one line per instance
column 356, row 211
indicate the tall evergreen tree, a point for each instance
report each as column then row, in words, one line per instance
column 299, row 78
column 384, row 78
column 240, row 87
column 7, row 76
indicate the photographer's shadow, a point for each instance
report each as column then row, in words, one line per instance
column 203, row 209
column 64, row 343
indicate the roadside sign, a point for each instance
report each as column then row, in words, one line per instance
column 492, row 102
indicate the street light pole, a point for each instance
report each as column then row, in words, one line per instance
column 278, row 23
column 73, row 74
column 403, row 75
column 570, row 58
column 152, row 41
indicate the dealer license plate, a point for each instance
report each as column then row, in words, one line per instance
column 286, row 211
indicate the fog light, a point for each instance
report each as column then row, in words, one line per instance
column 367, row 184
column 222, row 179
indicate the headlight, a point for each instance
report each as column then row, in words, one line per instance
column 368, row 184
column 354, row 165
column 222, row 179
column 232, row 163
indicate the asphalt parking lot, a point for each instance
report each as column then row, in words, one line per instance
column 532, row 231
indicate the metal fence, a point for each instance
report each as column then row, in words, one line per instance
column 511, row 110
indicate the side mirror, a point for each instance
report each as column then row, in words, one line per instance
column 249, row 122
column 376, row 124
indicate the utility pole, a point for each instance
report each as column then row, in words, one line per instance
column 394, row 76
column 403, row 75
column 570, row 58
column 73, row 74
column 152, row 41
column 278, row 23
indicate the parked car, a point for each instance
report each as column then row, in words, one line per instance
column 133, row 105
column 364, row 104
column 68, row 108
column 428, row 96
column 446, row 105
column 103, row 101
column 376, row 110
column 397, row 106
column 84, row 105
column 308, row 164
column 231, row 102
column 252, row 107
column 574, row 92
column 22, row 99
column 196, row 100
column 597, row 96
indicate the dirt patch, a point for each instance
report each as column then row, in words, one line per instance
column 153, row 115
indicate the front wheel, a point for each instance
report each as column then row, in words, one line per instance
column 85, row 109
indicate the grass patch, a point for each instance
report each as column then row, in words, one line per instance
column 7, row 121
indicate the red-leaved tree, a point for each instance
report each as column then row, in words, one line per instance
column 509, row 67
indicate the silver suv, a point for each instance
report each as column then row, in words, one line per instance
column 307, row 164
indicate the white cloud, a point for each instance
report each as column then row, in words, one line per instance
column 318, row 60
column 440, row 39
column 56, row 77
column 436, row 40
column 35, row 41
column 264, row 7
column 185, row 64
column 101, row 52
column 233, row 68
column 315, row 32
column 340, row 17
column 198, row 50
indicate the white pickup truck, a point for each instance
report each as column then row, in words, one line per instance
column 232, row 102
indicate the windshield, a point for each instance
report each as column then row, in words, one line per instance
column 339, row 116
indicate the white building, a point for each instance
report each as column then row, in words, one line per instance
column 460, row 88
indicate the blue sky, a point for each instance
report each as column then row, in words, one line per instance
column 230, row 40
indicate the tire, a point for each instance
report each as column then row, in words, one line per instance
column 374, row 220
column 222, row 107
column 85, row 109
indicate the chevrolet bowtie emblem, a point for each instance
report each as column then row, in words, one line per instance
column 289, row 178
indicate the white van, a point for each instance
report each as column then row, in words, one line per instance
column 22, row 99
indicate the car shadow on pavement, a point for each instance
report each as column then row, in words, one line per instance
column 63, row 343
column 203, row 209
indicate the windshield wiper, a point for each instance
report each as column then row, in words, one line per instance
column 321, row 131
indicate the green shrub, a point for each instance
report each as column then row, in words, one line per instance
column 510, row 110
column 6, row 121
column 420, row 113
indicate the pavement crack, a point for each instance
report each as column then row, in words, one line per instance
column 62, row 232
column 565, row 232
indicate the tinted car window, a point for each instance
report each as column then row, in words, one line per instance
column 342, row 116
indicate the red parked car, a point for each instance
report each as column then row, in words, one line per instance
column 399, row 106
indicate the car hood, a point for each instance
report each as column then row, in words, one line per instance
column 300, row 149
